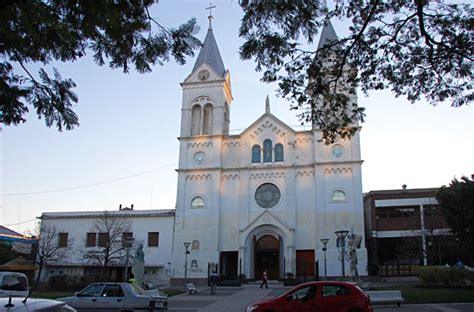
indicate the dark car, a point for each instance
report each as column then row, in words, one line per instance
column 115, row 297
column 325, row 296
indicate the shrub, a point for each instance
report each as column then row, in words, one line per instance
column 58, row 282
column 435, row 276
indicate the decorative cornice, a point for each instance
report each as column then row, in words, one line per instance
column 198, row 177
column 230, row 177
column 201, row 85
column 305, row 173
column 304, row 140
column 231, row 144
column 337, row 170
column 267, row 175
column 200, row 144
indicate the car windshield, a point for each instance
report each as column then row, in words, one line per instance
column 14, row 282
column 138, row 290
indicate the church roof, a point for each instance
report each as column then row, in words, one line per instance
column 328, row 34
column 210, row 55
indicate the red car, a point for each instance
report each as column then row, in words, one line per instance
column 323, row 296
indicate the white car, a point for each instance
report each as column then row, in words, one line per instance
column 18, row 304
column 115, row 297
column 13, row 284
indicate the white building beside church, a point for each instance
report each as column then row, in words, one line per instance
column 262, row 199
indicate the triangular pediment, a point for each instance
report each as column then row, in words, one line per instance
column 199, row 75
column 267, row 218
column 268, row 122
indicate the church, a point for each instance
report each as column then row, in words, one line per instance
column 264, row 199
column 270, row 198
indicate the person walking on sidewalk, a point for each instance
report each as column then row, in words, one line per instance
column 214, row 278
column 264, row 279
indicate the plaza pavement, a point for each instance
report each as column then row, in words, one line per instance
column 235, row 299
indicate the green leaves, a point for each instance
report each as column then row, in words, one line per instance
column 53, row 99
column 420, row 49
column 120, row 33
column 457, row 205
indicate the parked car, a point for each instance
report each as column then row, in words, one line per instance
column 323, row 296
column 16, row 304
column 13, row 284
column 121, row 297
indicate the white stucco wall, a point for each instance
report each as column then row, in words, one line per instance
column 77, row 224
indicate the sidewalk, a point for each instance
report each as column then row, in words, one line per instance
column 228, row 299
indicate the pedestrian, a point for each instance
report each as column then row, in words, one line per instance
column 264, row 279
column 214, row 278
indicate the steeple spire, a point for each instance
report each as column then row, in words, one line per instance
column 267, row 105
column 209, row 53
column 328, row 34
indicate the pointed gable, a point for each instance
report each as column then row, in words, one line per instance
column 268, row 121
column 210, row 55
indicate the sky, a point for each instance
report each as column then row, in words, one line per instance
column 125, row 150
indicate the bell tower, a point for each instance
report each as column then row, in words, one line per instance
column 207, row 93
column 205, row 122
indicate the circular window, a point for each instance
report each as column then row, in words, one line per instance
column 199, row 158
column 267, row 195
column 337, row 151
column 197, row 202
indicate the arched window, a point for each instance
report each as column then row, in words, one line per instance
column 196, row 120
column 278, row 152
column 267, row 150
column 194, row 265
column 195, row 245
column 207, row 122
column 338, row 196
column 197, row 202
column 256, row 158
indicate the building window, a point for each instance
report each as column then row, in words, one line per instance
column 62, row 240
column 197, row 202
column 103, row 239
column 153, row 239
column 196, row 120
column 338, row 196
column 91, row 239
column 267, row 150
column 278, row 152
column 194, row 265
column 125, row 237
column 256, row 158
column 207, row 122
column 195, row 245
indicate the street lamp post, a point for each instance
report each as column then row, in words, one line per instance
column 325, row 242
column 341, row 242
column 128, row 243
column 186, row 245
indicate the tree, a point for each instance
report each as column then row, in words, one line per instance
column 49, row 250
column 457, row 205
column 417, row 48
column 122, row 33
column 111, row 247
column 6, row 253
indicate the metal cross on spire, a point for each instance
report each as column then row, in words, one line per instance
column 210, row 7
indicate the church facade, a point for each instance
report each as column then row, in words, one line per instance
column 263, row 199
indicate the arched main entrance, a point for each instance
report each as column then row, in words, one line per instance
column 267, row 257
